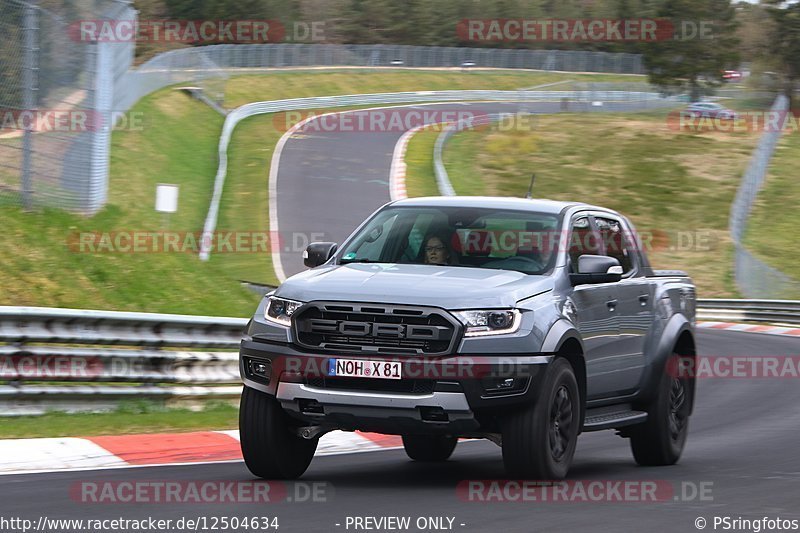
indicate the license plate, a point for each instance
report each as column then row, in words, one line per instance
column 355, row 368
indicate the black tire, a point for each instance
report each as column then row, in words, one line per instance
column 660, row 440
column 269, row 448
column 539, row 442
column 429, row 448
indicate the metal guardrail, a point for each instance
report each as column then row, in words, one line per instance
column 81, row 360
column 322, row 102
column 442, row 178
column 760, row 311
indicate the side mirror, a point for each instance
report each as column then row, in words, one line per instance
column 596, row 269
column 318, row 253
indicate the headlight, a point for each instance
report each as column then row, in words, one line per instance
column 280, row 310
column 489, row 322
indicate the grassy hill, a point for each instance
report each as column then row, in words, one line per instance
column 680, row 183
column 178, row 144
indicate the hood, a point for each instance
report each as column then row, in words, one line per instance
column 446, row 287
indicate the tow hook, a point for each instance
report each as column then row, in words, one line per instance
column 311, row 432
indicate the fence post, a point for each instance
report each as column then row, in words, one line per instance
column 30, row 88
column 97, row 188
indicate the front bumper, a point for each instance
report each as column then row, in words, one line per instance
column 454, row 394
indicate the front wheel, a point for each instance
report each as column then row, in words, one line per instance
column 660, row 440
column 429, row 448
column 539, row 442
column 270, row 449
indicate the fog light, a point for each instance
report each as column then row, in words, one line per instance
column 503, row 385
column 507, row 383
column 261, row 370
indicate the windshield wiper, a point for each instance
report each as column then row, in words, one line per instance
column 362, row 260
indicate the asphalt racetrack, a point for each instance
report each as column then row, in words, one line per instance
column 327, row 182
column 741, row 460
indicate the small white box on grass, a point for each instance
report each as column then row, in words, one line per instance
column 166, row 198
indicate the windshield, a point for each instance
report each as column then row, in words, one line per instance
column 522, row 241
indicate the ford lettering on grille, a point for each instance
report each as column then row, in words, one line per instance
column 377, row 329
column 372, row 329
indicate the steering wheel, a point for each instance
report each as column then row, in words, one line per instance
column 513, row 261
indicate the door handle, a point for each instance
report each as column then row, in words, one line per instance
column 612, row 304
column 643, row 298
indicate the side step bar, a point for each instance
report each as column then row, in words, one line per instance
column 612, row 417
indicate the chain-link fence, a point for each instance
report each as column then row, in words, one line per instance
column 60, row 93
column 56, row 102
column 15, row 51
column 373, row 55
column 209, row 66
column 754, row 277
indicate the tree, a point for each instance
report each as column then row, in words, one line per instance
column 784, row 42
column 703, row 46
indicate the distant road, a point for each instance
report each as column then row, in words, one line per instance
column 328, row 182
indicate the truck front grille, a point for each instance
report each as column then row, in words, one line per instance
column 375, row 329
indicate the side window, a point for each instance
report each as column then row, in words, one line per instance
column 615, row 242
column 582, row 241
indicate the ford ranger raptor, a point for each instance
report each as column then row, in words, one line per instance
column 548, row 321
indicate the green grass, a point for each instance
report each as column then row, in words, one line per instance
column 772, row 231
column 128, row 419
column 679, row 182
column 420, row 180
column 299, row 84
column 178, row 145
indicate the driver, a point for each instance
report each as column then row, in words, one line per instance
column 437, row 251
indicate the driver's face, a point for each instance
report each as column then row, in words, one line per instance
column 435, row 252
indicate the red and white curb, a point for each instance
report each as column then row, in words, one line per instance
column 751, row 328
column 19, row 456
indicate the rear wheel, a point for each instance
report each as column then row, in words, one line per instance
column 429, row 448
column 270, row 449
column 539, row 442
column 660, row 440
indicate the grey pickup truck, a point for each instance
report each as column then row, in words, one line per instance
column 521, row 321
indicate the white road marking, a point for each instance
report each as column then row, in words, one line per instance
column 21, row 455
